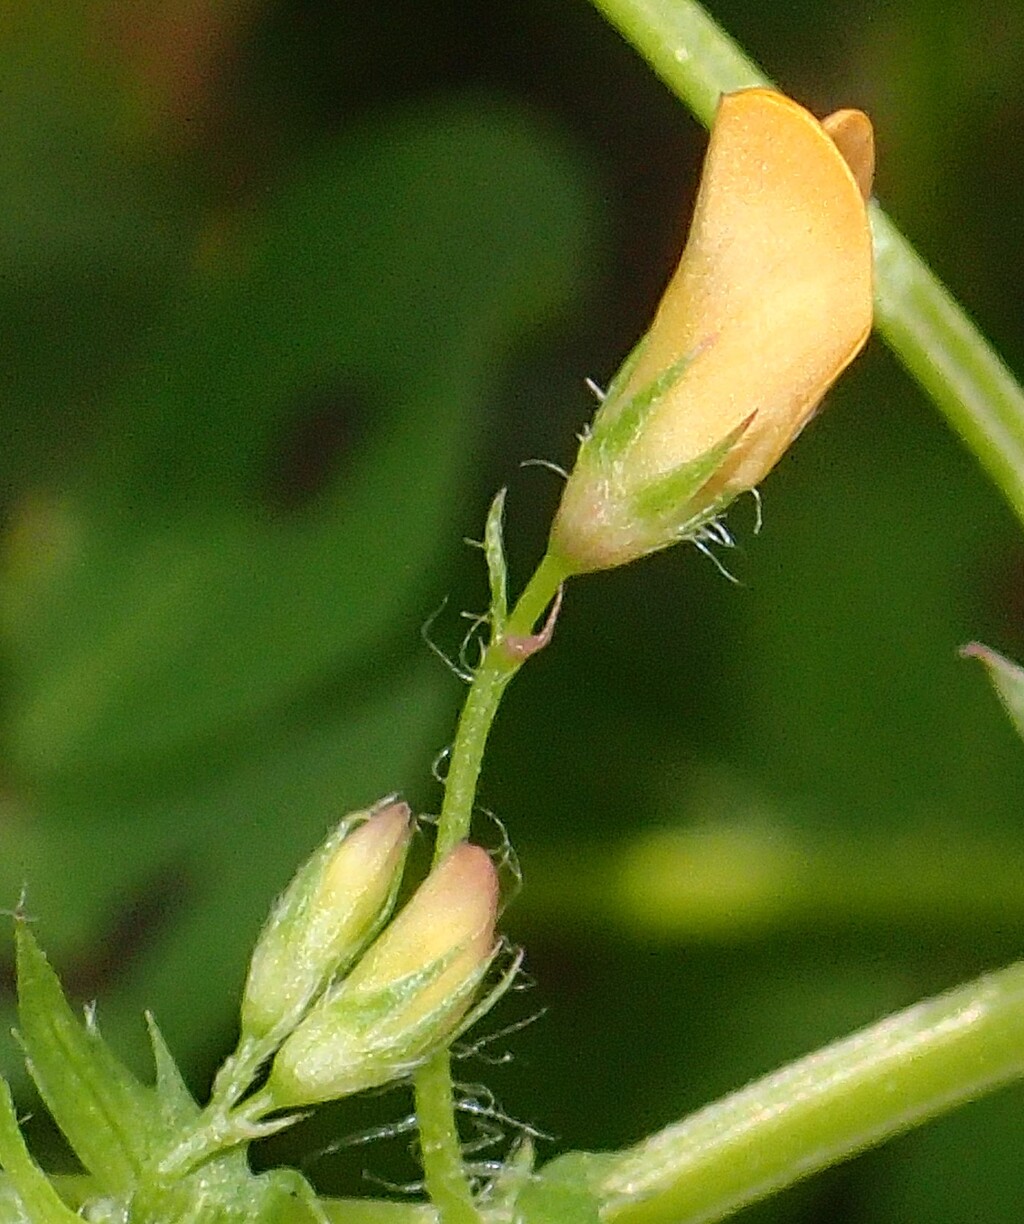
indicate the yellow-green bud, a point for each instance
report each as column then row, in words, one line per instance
column 771, row 301
column 333, row 907
column 406, row 995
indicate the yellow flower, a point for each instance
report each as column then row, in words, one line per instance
column 770, row 302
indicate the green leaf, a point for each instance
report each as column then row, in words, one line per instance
column 38, row 1197
column 186, row 580
column 1007, row 679
column 105, row 1113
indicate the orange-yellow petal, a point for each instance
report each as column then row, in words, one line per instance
column 773, row 294
column 852, row 134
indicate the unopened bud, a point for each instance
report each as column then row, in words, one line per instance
column 771, row 301
column 333, row 907
column 406, row 995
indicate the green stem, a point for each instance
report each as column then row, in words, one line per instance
column 490, row 679
column 823, row 1108
column 474, row 727
column 928, row 331
column 238, row 1071
column 440, row 1147
column 441, row 1150
column 220, row 1127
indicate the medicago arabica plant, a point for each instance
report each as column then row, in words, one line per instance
column 349, row 990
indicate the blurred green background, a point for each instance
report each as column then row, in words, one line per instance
column 287, row 290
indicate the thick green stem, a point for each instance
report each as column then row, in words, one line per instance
column 823, row 1108
column 944, row 351
column 441, row 1152
column 691, row 53
column 930, row 334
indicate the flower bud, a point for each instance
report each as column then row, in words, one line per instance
column 771, row 301
column 406, row 995
column 330, row 911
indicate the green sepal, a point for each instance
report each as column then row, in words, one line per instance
column 496, row 992
column 383, row 1011
column 622, row 375
column 661, row 500
column 371, row 1036
column 565, row 1191
column 605, row 414
column 1007, row 679
column 614, row 432
column 39, row 1200
column 107, row 1116
column 177, row 1106
column 494, row 550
